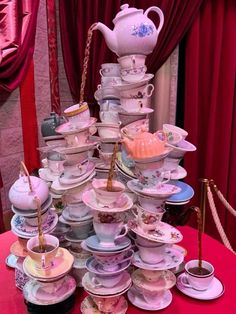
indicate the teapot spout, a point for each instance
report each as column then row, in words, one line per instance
column 109, row 36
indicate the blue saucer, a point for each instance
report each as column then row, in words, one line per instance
column 184, row 195
column 93, row 243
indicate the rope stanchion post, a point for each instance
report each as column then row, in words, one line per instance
column 204, row 184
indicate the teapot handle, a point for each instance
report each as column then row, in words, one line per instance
column 161, row 16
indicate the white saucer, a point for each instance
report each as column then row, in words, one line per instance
column 88, row 306
column 126, row 86
column 20, row 227
column 94, row 243
column 87, row 169
column 163, row 191
column 68, row 128
column 141, row 112
column 178, row 174
column 33, row 292
column 123, row 284
column 76, row 149
column 164, row 233
column 124, row 203
column 103, row 253
column 215, row 290
column 47, row 175
column 11, row 260
column 172, row 258
column 136, row 299
column 57, row 186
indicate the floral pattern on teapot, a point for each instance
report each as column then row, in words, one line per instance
column 142, row 30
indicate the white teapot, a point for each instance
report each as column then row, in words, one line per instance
column 134, row 32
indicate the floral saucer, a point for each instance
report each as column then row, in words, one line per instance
column 123, row 167
column 105, row 252
column 162, row 191
column 178, row 174
column 164, row 233
column 61, row 265
column 47, row 175
column 77, row 149
column 57, row 186
column 94, row 243
column 11, row 260
column 136, row 299
column 215, row 290
column 165, row 282
column 67, row 217
column 124, row 202
column 18, row 250
column 93, row 266
column 184, row 195
column 88, row 306
column 33, row 212
column 67, row 128
column 87, row 169
column 171, row 259
column 123, row 284
column 35, row 292
column 20, row 227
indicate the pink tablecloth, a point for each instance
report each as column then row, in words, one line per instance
column 11, row 299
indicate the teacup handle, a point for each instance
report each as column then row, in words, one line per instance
column 149, row 90
column 184, row 282
column 43, row 261
column 95, row 283
column 133, row 212
column 168, row 178
column 121, row 235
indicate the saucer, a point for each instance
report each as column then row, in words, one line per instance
column 163, row 283
column 94, row 243
column 34, row 292
column 164, row 233
column 123, row 167
column 172, row 258
column 177, row 174
column 124, row 202
column 136, row 299
column 163, row 190
column 20, row 227
column 11, row 260
column 184, row 195
column 88, row 306
column 126, row 86
column 105, row 252
column 33, row 212
column 87, row 169
column 66, row 216
column 47, row 175
column 215, row 290
column 93, row 266
column 61, row 265
column 177, row 204
column 140, row 112
column 57, row 186
column 76, row 223
column 76, row 149
column 123, row 284
column 67, row 128
column 18, row 250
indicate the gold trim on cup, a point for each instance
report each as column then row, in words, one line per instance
column 81, row 109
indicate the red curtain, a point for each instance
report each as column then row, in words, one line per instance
column 18, row 25
column 210, row 111
column 77, row 15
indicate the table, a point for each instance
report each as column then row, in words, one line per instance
column 224, row 261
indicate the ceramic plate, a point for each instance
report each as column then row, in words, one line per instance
column 172, row 258
column 62, row 264
column 123, row 168
column 76, row 223
column 164, row 233
column 68, row 128
column 124, row 203
column 18, row 250
column 93, row 243
column 103, row 253
column 20, row 227
column 76, row 149
column 88, row 306
column 87, row 169
column 33, row 212
column 213, row 292
column 102, row 291
column 56, row 185
column 184, row 195
column 141, row 112
column 164, row 283
column 177, row 203
column 34, row 292
column 126, row 86
column 183, row 146
column 178, row 174
column 67, row 217
column 47, row 175
column 162, row 191
column 11, row 260
column 136, row 299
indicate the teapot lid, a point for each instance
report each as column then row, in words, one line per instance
column 124, row 11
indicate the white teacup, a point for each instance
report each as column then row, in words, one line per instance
column 105, row 157
column 76, row 158
column 110, row 69
column 78, row 115
column 109, row 105
column 141, row 92
column 55, row 162
column 109, row 117
column 108, row 130
column 105, row 281
column 131, row 105
column 171, row 164
column 77, row 210
column 132, row 61
column 79, row 138
column 110, row 263
column 153, row 254
column 110, row 80
column 75, row 170
column 173, row 128
column 82, row 230
column 107, row 147
column 195, row 280
column 108, row 233
column 132, row 75
column 154, row 275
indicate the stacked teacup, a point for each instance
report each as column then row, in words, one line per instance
column 107, row 276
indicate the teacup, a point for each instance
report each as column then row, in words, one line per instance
column 110, row 80
column 107, row 281
column 173, row 128
column 107, row 197
column 109, row 117
column 131, row 105
column 107, row 147
column 132, row 61
column 154, row 275
column 77, row 210
column 78, row 138
column 141, row 92
column 151, row 204
column 78, row 115
column 75, row 170
column 181, row 149
column 33, row 221
column 132, row 75
column 196, row 280
column 55, row 162
column 105, row 157
column 171, row 164
column 107, row 305
column 109, row 105
column 148, row 221
column 43, row 259
column 76, row 158
column 110, row 69
column 152, row 254
column 108, row 233
column 108, row 130
column 81, row 230
column 111, row 262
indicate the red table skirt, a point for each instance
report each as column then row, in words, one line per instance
column 224, row 261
